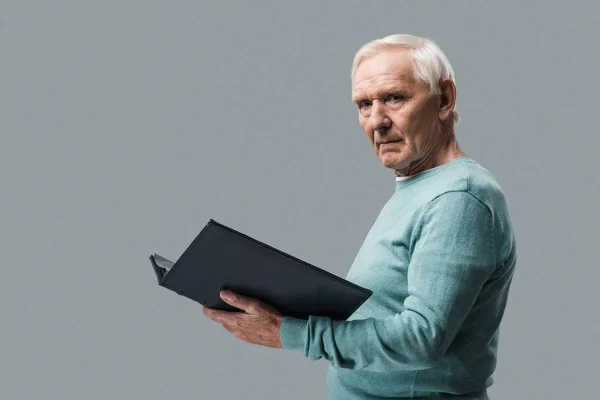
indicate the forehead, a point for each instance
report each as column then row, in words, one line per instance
column 390, row 68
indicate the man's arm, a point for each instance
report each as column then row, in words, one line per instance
column 452, row 255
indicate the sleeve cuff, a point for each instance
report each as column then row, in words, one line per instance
column 292, row 333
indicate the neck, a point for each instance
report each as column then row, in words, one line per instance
column 445, row 150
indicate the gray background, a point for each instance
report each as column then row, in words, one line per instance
column 127, row 124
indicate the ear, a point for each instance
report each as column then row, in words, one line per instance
column 447, row 99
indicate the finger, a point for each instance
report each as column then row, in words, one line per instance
column 218, row 315
column 240, row 301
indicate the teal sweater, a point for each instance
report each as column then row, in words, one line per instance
column 439, row 259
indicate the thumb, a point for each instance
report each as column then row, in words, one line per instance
column 237, row 300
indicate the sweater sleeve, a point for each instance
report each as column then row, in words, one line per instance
column 452, row 254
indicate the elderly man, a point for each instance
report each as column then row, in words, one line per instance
column 439, row 258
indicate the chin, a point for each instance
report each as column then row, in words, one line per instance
column 390, row 161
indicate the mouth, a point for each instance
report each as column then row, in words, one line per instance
column 390, row 141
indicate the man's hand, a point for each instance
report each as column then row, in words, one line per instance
column 259, row 324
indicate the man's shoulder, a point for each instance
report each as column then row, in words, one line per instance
column 480, row 182
column 456, row 184
column 472, row 178
column 468, row 175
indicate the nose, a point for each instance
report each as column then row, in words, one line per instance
column 379, row 118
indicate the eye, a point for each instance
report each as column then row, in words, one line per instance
column 364, row 104
column 395, row 97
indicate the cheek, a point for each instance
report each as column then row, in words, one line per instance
column 408, row 123
column 403, row 124
column 425, row 116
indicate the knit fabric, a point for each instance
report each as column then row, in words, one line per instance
column 439, row 259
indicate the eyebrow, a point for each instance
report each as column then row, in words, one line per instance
column 382, row 93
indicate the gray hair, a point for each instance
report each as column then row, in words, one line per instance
column 430, row 64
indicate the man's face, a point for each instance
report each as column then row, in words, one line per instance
column 395, row 109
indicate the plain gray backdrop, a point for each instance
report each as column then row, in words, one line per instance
column 126, row 125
